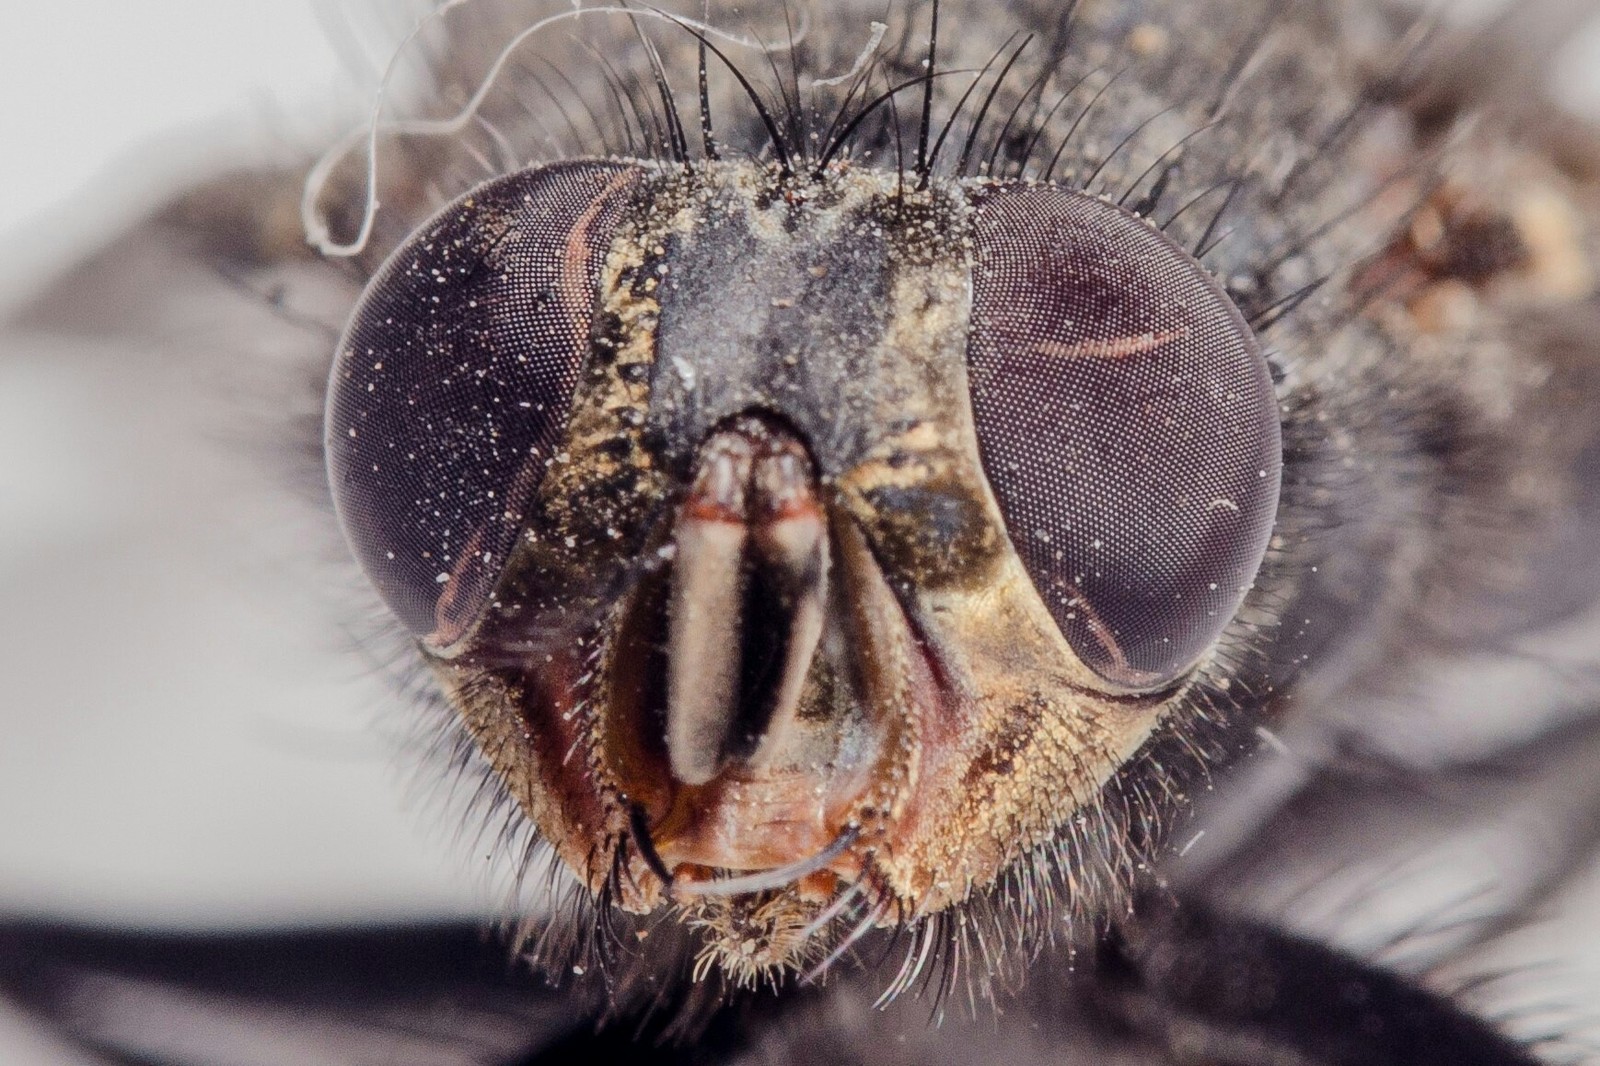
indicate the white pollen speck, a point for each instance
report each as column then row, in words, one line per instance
column 441, row 578
column 685, row 370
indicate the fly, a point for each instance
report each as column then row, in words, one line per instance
column 859, row 485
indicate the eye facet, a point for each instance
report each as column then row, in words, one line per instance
column 1127, row 424
column 453, row 383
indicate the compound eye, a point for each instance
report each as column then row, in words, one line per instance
column 454, row 381
column 1127, row 424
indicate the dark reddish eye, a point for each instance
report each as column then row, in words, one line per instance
column 1127, row 424
column 453, row 383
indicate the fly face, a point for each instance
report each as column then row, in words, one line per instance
column 861, row 521
column 794, row 544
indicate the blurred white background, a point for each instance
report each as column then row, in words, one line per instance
column 91, row 89
column 181, row 741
